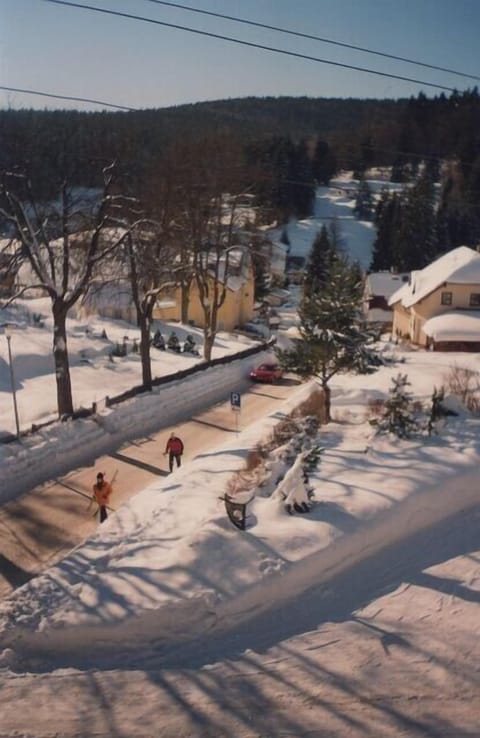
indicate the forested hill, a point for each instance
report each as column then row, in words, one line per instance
column 358, row 132
column 287, row 116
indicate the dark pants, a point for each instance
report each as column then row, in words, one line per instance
column 171, row 458
column 103, row 513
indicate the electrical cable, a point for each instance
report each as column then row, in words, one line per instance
column 250, row 44
column 67, row 97
column 313, row 38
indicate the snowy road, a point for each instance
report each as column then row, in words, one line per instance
column 389, row 650
column 44, row 524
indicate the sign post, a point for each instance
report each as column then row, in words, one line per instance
column 235, row 403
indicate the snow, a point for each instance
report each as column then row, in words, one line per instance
column 169, row 564
column 454, row 326
column 459, row 266
column 93, row 375
column 384, row 283
column 331, row 205
column 174, row 601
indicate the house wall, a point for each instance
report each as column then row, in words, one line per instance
column 401, row 321
column 410, row 321
column 236, row 310
column 116, row 302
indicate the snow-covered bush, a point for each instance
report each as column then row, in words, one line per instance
column 399, row 415
column 465, row 384
column 268, row 473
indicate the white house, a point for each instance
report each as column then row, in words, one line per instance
column 439, row 307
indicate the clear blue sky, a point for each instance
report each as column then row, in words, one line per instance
column 86, row 54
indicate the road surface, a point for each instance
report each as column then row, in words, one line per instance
column 44, row 524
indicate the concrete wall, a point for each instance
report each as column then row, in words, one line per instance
column 61, row 447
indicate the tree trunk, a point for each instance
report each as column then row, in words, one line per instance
column 60, row 355
column 328, row 401
column 185, row 297
column 144, row 325
column 209, row 339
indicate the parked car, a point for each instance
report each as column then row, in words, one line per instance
column 268, row 372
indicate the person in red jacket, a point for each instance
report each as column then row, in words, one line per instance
column 174, row 449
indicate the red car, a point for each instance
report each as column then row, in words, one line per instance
column 267, row 373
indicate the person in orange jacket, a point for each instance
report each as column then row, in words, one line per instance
column 102, row 491
column 174, row 449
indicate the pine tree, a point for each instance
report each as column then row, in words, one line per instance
column 364, row 201
column 415, row 242
column 398, row 417
column 300, row 185
column 332, row 336
column 387, row 220
column 318, row 264
column 324, row 164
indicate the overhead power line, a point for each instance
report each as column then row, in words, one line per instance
column 250, row 44
column 312, row 37
column 66, row 97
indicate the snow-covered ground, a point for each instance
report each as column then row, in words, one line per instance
column 93, row 374
column 169, row 564
column 172, row 600
column 335, row 204
column 140, row 625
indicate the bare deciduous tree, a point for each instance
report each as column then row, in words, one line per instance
column 63, row 244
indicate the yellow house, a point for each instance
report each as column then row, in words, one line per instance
column 236, row 310
column 439, row 307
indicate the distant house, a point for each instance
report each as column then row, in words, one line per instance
column 114, row 300
column 236, row 310
column 439, row 307
column 379, row 287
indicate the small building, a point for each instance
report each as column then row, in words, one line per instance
column 439, row 307
column 237, row 308
column 113, row 298
column 379, row 287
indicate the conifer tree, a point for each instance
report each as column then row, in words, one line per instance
column 415, row 239
column 318, row 263
column 386, row 220
column 364, row 201
column 324, row 164
column 398, row 417
column 332, row 335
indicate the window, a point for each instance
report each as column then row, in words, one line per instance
column 446, row 298
column 474, row 299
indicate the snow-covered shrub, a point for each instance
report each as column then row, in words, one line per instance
column 268, row 467
column 399, row 415
column 438, row 411
column 375, row 408
column 465, row 384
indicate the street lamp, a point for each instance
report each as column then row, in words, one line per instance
column 8, row 329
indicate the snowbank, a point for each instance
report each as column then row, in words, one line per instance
column 169, row 566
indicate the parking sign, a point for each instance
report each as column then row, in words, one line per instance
column 235, row 400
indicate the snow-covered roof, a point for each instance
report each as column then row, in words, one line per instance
column 459, row 266
column 384, row 283
column 377, row 315
column 457, row 325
